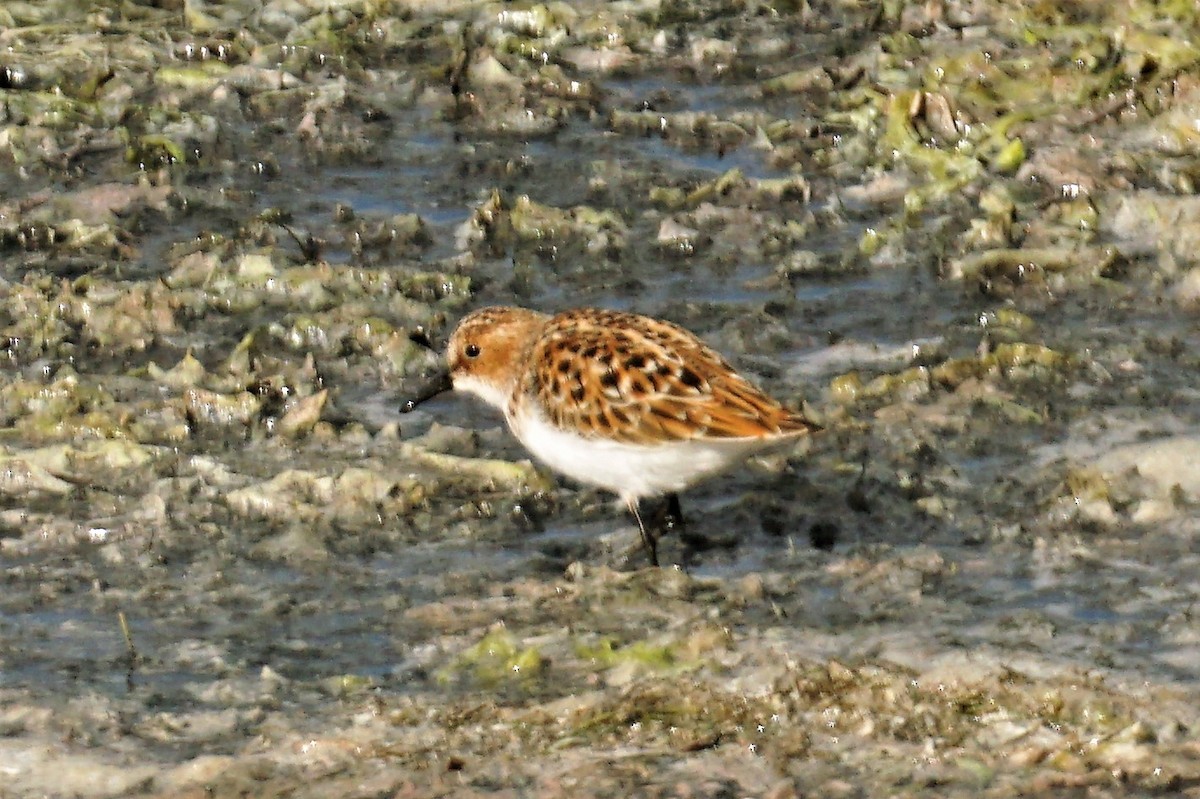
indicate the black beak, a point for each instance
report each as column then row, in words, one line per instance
column 421, row 339
column 439, row 383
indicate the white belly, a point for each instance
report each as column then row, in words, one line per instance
column 632, row 471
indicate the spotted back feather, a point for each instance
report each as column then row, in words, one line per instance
column 639, row 380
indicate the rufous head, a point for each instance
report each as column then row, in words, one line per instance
column 484, row 355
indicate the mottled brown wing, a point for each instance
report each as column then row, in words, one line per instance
column 640, row 380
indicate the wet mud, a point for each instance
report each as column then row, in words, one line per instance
column 963, row 235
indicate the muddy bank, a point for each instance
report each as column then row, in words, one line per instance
column 962, row 233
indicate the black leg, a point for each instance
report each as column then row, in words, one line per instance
column 673, row 519
column 668, row 515
column 667, row 518
column 648, row 540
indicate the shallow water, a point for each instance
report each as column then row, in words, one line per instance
column 994, row 607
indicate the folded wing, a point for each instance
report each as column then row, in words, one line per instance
column 639, row 380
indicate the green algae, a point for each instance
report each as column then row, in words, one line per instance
column 1012, row 361
column 608, row 653
column 496, row 658
column 207, row 407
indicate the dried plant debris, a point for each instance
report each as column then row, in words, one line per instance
column 234, row 233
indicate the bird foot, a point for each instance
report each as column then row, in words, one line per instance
column 667, row 518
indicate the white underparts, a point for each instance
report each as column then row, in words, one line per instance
column 633, row 471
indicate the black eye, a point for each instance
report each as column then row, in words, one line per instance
column 471, row 350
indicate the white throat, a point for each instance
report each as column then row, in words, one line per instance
column 489, row 392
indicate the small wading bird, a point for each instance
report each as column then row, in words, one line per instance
column 631, row 404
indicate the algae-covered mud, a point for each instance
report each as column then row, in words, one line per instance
column 966, row 235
